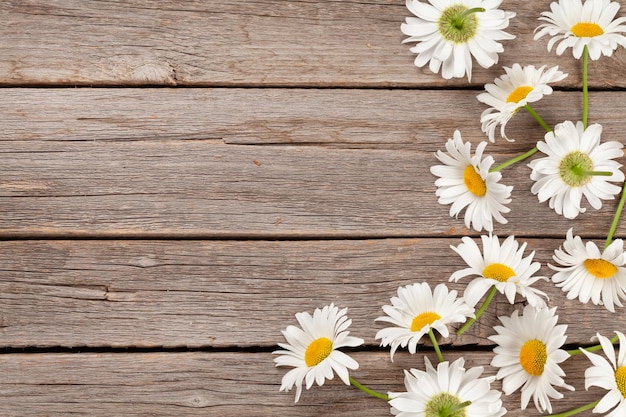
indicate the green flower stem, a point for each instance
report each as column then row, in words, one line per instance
column 576, row 410
column 368, row 391
column 585, row 87
column 514, row 160
column 538, row 118
column 480, row 311
column 584, row 173
column 618, row 213
column 460, row 20
column 594, row 348
column 433, row 339
column 452, row 410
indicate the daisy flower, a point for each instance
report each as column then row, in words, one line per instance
column 511, row 92
column 587, row 273
column 576, row 25
column 610, row 376
column 312, row 349
column 450, row 32
column 528, row 354
column 416, row 310
column 576, row 165
column 503, row 266
column 465, row 182
column 435, row 391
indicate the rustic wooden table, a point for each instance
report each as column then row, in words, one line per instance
column 179, row 178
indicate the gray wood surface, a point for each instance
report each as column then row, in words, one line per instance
column 233, row 164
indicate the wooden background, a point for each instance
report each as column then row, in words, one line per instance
column 178, row 179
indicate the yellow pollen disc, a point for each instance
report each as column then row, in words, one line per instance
column 474, row 183
column 499, row 272
column 620, row 379
column 533, row 357
column 587, row 30
column 423, row 319
column 519, row 94
column 600, row 268
column 317, row 351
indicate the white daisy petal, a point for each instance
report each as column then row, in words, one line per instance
column 312, row 350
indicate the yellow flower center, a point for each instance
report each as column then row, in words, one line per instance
column 474, row 182
column 533, row 357
column 519, row 94
column 317, row 351
column 620, row 379
column 423, row 319
column 600, row 268
column 499, row 272
column 587, row 30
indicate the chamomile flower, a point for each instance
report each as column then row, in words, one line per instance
column 416, row 310
column 432, row 392
column 574, row 24
column 503, row 266
column 609, row 375
column 312, row 350
column 465, row 182
column 528, row 355
column 576, row 165
column 511, row 92
column 450, row 32
column 586, row 273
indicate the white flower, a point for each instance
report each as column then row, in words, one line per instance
column 575, row 25
column 465, row 181
column 312, row 349
column 450, row 32
column 566, row 174
column 416, row 310
column 430, row 393
column 511, row 92
column 589, row 274
column 610, row 376
column 501, row 265
column 528, row 354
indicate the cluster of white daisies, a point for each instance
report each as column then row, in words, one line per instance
column 449, row 36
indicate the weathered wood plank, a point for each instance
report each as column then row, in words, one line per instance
column 228, row 384
column 232, row 293
column 271, row 42
column 349, row 118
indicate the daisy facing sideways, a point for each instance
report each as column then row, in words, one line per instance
column 450, row 33
column 586, row 273
column 448, row 390
column 312, row 350
column 576, row 165
column 513, row 91
column 466, row 183
column 416, row 310
column 528, row 355
column 501, row 266
column 610, row 375
column 573, row 24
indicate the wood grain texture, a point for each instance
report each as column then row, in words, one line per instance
column 254, row 43
column 234, row 293
column 228, row 384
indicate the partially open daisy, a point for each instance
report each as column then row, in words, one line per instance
column 511, row 92
column 465, row 182
column 416, row 310
column 503, row 266
column 610, row 375
column 450, row 32
column 313, row 349
column 586, row 273
column 528, row 354
column 574, row 24
column 449, row 389
column 576, row 165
